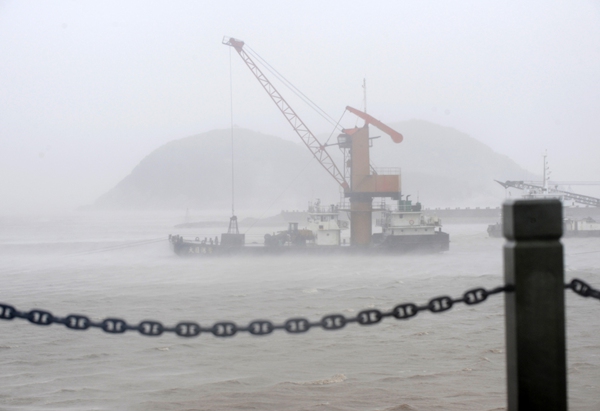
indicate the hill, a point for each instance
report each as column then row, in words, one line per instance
column 440, row 165
column 446, row 167
column 195, row 172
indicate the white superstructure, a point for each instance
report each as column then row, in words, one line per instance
column 405, row 220
column 325, row 224
column 587, row 224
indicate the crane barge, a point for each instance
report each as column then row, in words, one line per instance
column 403, row 226
column 572, row 227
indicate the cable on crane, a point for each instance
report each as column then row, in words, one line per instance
column 335, row 127
column 297, row 175
column 280, row 195
column 231, row 112
column 290, row 86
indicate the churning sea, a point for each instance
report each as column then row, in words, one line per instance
column 108, row 265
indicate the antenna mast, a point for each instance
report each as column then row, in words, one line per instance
column 546, row 175
column 365, row 93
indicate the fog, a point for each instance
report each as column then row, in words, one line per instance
column 92, row 264
column 89, row 89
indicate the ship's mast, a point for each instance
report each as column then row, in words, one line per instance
column 365, row 93
column 546, row 175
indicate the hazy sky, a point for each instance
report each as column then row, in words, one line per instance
column 90, row 88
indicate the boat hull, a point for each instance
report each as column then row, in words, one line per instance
column 434, row 243
column 582, row 233
column 495, row 230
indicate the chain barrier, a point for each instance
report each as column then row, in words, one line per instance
column 263, row 327
column 583, row 289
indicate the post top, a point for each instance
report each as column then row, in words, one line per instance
column 532, row 219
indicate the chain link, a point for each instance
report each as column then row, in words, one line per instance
column 583, row 289
column 264, row 327
column 257, row 327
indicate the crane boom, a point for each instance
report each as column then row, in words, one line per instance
column 396, row 137
column 317, row 149
column 578, row 198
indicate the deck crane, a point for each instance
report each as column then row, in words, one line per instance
column 545, row 190
column 317, row 149
column 364, row 185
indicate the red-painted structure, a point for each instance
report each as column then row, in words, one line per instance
column 365, row 184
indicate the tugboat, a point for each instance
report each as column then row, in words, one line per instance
column 405, row 227
column 325, row 225
column 323, row 229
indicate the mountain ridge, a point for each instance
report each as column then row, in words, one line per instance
column 440, row 165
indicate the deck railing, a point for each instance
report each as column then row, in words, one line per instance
column 388, row 171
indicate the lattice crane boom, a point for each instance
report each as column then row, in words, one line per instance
column 317, row 149
column 578, row 198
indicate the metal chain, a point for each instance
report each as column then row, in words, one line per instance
column 583, row 289
column 263, row 327
column 256, row 327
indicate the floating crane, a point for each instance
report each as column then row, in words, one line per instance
column 535, row 190
column 364, row 184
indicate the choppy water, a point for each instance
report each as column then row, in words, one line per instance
column 449, row 361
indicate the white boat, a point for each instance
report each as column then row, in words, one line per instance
column 587, row 227
column 325, row 224
column 405, row 226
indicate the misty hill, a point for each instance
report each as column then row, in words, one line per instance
column 441, row 165
column 195, row 172
column 446, row 167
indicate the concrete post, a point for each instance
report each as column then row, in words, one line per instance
column 535, row 314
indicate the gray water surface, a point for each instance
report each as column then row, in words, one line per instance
column 448, row 361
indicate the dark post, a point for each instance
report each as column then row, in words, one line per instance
column 535, row 311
